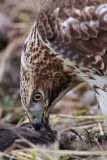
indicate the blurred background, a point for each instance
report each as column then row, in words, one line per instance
column 16, row 20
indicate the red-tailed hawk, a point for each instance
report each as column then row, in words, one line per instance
column 67, row 45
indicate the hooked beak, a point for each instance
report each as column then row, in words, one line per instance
column 37, row 121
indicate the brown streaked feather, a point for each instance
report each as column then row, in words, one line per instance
column 84, row 38
column 41, row 69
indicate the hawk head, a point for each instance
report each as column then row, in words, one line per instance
column 44, row 80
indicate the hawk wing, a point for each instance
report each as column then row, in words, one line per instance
column 75, row 29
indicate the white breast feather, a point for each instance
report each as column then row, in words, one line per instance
column 102, row 100
column 101, row 92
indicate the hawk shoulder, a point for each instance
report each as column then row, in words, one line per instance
column 76, row 30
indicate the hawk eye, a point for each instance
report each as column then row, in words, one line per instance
column 37, row 97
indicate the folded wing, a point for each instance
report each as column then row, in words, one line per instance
column 76, row 30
